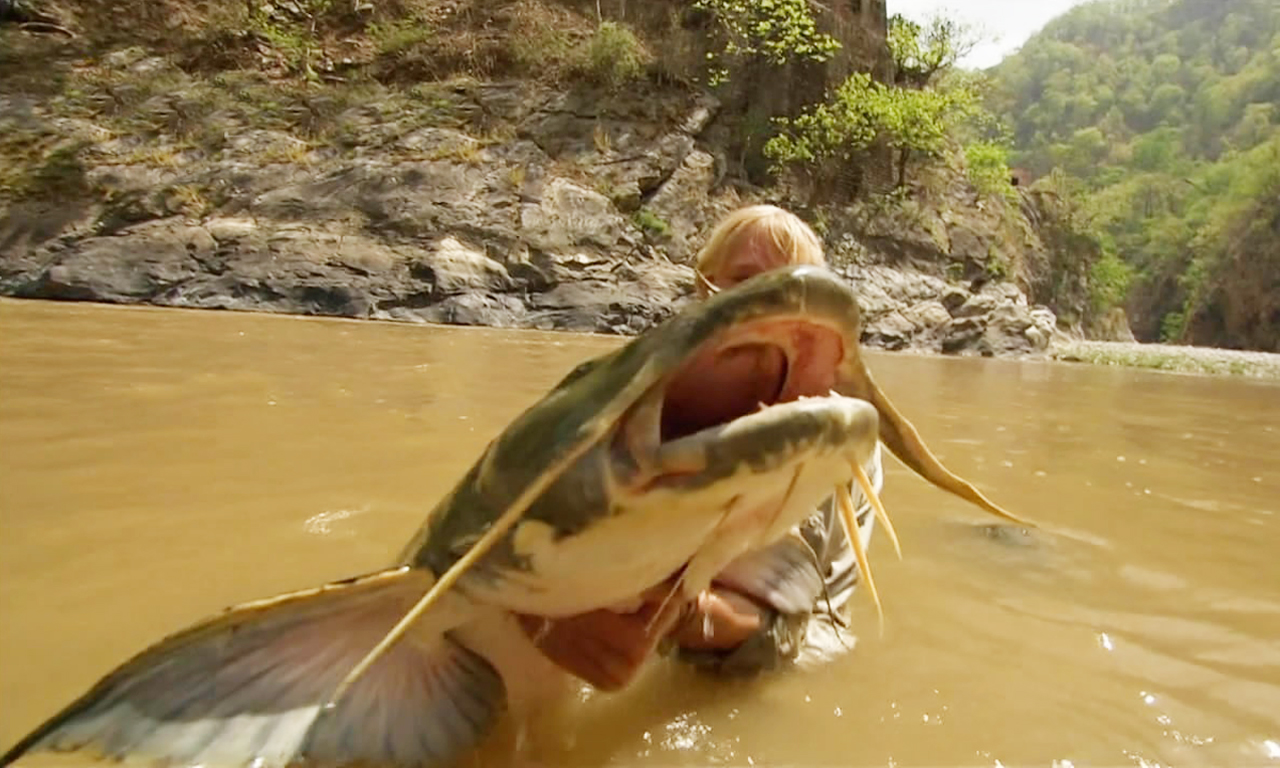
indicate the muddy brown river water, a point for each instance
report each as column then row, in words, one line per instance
column 158, row 465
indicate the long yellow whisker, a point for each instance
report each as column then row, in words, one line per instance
column 710, row 286
column 648, row 627
column 851, row 527
column 450, row 576
column 869, row 491
column 791, row 487
column 662, row 607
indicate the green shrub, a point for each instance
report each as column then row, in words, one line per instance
column 400, row 35
column 862, row 110
column 650, row 222
column 777, row 31
column 296, row 41
column 987, row 166
column 839, row 128
column 1109, row 280
column 540, row 47
column 614, row 56
column 1172, row 327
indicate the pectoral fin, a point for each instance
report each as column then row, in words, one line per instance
column 246, row 688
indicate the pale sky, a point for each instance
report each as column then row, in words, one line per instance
column 1010, row 22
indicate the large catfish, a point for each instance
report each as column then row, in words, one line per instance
column 627, row 473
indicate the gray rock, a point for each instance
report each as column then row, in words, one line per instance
column 962, row 334
column 891, row 331
column 928, row 315
column 455, row 268
column 1006, row 329
column 1113, row 326
column 966, row 245
column 125, row 268
column 568, row 216
column 683, row 202
column 954, row 298
column 979, row 304
column 524, row 208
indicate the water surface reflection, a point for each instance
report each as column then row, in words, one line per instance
column 158, row 465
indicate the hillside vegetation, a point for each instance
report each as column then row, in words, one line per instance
column 517, row 162
column 1159, row 122
column 294, row 65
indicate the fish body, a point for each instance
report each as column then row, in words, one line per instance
column 631, row 470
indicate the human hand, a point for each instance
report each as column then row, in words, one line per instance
column 720, row 619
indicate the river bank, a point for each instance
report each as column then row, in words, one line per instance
column 141, row 169
column 1169, row 357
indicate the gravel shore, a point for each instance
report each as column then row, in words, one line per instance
column 1169, row 357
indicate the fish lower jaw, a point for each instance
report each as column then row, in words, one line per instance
column 755, row 521
column 651, row 537
column 764, row 444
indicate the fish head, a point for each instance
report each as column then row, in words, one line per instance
column 628, row 466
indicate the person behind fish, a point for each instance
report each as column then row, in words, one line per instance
column 785, row 600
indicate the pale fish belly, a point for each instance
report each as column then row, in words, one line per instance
column 541, row 698
column 611, row 561
column 605, row 565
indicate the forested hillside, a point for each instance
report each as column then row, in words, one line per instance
column 1160, row 119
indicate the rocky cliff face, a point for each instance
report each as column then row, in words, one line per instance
column 513, row 202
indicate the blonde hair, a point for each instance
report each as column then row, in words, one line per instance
column 783, row 232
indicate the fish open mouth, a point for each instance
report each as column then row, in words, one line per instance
column 757, row 364
column 751, row 367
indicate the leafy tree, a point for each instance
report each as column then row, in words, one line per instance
column 775, row 31
column 1156, row 150
column 920, row 121
column 1109, row 281
column 1166, row 114
column 836, row 130
column 911, row 121
column 922, row 52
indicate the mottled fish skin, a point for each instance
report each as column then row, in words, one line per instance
column 570, row 417
column 764, row 473
column 555, row 424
